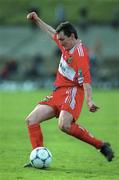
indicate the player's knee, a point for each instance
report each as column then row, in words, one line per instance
column 64, row 126
column 29, row 120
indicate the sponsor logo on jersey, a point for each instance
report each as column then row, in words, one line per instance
column 65, row 70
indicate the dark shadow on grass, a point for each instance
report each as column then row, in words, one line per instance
column 86, row 172
column 70, row 170
column 102, row 168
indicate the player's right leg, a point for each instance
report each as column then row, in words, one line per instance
column 39, row 114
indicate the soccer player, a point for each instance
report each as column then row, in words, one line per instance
column 72, row 83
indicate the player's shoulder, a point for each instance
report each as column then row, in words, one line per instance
column 81, row 50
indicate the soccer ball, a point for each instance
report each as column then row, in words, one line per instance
column 40, row 157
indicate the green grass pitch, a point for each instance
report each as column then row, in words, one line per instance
column 72, row 159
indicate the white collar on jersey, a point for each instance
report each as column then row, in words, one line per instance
column 77, row 44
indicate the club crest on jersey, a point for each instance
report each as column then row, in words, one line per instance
column 69, row 60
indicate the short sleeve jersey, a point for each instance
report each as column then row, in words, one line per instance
column 73, row 68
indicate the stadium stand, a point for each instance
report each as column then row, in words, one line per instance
column 24, row 44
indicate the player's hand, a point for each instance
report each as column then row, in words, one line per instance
column 32, row 16
column 92, row 107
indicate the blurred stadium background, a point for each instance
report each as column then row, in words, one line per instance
column 29, row 59
column 28, row 62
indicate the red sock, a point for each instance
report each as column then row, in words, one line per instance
column 84, row 135
column 35, row 135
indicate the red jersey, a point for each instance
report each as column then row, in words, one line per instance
column 73, row 67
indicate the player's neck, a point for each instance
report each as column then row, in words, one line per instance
column 76, row 42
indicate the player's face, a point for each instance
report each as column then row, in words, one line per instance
column 66, row 42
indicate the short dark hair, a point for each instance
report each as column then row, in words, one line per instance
column 67, row 28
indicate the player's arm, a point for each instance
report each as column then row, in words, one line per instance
column 41, row 24
column 88, row 95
